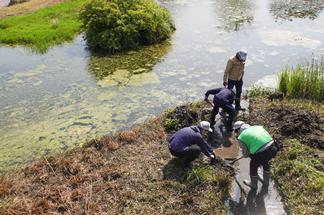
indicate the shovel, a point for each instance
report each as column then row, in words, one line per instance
column 233, row 160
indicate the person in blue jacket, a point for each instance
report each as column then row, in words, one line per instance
column 187, row 143
column 223, row 97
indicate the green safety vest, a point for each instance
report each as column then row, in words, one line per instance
column 254, row 138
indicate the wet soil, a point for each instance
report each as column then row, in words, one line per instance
column 288, row 121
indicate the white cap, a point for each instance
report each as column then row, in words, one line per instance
column 243, row 127
column 240, row 125
column 205, row 125
column 242, row 54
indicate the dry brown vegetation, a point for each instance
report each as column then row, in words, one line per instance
column 131, row 172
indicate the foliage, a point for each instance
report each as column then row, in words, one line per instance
column 43, row 28
column 304, row 82
column 300, row 175
column 258, row 91
column 114, row 25
column 171, row 124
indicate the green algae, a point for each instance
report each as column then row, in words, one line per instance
column 141, row 61
column 234, row 14
column 287, row 10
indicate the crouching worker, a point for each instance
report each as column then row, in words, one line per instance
column 188, row 143
column 223, row 98
column 257, row 144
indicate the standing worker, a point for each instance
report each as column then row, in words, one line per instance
column 257, row 144
column 188, row 143
column 223, row 98
column 233, row 75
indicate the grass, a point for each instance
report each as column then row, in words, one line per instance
column 43, row 28
column 300, row 175
column 303, row 82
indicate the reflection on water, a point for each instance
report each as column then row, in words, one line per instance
column 233, row 14
column 133, row 62
column 55, row 101
column 288, row 9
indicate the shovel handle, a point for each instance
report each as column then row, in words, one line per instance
column 236, row 160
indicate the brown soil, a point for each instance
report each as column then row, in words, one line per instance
column 285, row 120
column 131, row 172
column 26, row 7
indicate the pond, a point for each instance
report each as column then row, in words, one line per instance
column 58, row 100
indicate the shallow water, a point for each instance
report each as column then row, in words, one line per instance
column 240, row 200
column 55, row 101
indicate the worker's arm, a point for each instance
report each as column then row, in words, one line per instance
column 204, row 146
column 245, row 151
column 227, row 69
column 212, row 92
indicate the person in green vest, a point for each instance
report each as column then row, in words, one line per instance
column 257, row 144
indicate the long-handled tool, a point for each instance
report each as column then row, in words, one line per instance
column 233, row 161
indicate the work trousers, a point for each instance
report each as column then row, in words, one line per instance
column 238, row 87
column 227, row 107
column 190, row 154
column 262, row 159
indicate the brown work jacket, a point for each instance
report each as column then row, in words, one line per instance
column 234, row 69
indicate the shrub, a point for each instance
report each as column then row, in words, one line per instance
column 115, row 25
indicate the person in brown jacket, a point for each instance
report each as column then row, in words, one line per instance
column 233, row 75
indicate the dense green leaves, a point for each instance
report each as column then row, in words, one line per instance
column 114, row 25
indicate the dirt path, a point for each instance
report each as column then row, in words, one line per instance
column 26, row 7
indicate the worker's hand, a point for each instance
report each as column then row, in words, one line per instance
column 212, row 158
column 206, row 99
column 225, row 83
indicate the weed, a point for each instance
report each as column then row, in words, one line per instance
column 171, row 124
column 301, row 177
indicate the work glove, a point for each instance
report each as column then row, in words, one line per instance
column 213, row 158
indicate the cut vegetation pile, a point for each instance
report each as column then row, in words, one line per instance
column 131, row 172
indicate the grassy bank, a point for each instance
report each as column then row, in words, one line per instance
column 130, row 172
column 300, row 175
column 43, row 28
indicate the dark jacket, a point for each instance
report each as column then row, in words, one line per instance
column 186, row 137
column 221, row 95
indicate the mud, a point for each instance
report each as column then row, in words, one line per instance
column 288, row 121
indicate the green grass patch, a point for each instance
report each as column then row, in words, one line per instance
column 43, row 28
column 303, row 82
column 300, row 175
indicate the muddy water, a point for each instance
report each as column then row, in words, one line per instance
column 242, row 201
column 55, row 101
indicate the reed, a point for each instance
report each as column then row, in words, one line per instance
column 303, row 81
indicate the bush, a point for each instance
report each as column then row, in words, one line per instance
column 115, row 25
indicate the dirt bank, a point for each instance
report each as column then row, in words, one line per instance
column 290, row 119
column 26, row 7
column 131, row 172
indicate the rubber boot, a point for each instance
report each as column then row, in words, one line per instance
column 266, row 178
column 253, row 183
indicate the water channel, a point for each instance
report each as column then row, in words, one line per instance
column 58, row 100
